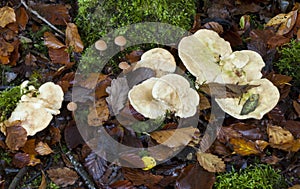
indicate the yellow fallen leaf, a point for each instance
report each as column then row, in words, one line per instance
column 210, row 162
column 284, row 22
column 149, row 162
column 7, row 16
column 244, row 147
column 174, row 137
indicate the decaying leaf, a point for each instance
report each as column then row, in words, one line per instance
column 63, row 176
column 5, row 51
column 20, row 160
column 296, row 106
column 29, row 147
column 194, row 176
column 16, row 137
column 139, row 177
column 174, row 137
column 210, row 162
column 96, row 166
column 118, row 92
column 7, row 15
column 204, row 102
column 214, row 26
column 244, row 147
column 219, row 90
column 282, row 139
column 43, row 149
column 285, row 22
column 43, row 184
column 59, row 56
column 250, row 104
column 278, row 135
column 98, row 113
column 33, row 161
column 73, row 38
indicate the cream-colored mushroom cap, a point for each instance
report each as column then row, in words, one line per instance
column 174, row 90
column 141, row 99
column 201, row 53
column 268, row 98
column 241, row 67
column 33, row 117
column 158, row 59
column 120, row 41
column 52, row 94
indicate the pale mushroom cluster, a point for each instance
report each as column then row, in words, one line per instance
column 165, row 92
column 34, row 113
column 210, row 59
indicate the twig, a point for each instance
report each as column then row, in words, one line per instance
column 14, row 183
column 79, row 169
column 42, row 18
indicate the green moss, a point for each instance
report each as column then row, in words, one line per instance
column 289, row 61
column 96, row 18
column 8, row 101
column 259, row 176
column 148, row 126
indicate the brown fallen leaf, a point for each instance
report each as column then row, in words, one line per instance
column 139, row 177
column 210, row 162
column 29, row 147
column 73, row 38
column 296, row 106
column 7, row 16
column 98, row 113
column 215, row 26
column 193, row 176
column 297, row 186
column 43, row 149
column 62, row 176
column 174, row 138
column 204, row 102
column 284, row 22
column 283, row 139
column 43, row 184
column 56, row 14
column 59, row 56
column 278, row 135
column 134, row 56
column 33, row 161
column 51, row 41
column 5, row 51
column 244, row 147
column 91, row 81
column 22, row 18
column 16, row 137
column 20, row 160
column 96, row 166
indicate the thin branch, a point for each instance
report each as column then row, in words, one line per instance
column 42, row 18
column 14, row 183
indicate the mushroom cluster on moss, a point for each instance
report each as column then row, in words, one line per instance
column 210, row 59
column 34, row 113
column 155, row 96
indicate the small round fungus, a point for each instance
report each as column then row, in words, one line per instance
column 121, row 42
column 101, row 46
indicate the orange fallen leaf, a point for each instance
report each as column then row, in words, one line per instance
column 174, row 138
column 43, row 149
column 29, row 147
column 73, row 38
column 244, row 147
column 296, row 106
column 33, row 161
column 43, row 184
column 210, row 162
column 63, row 176
column 7, row 16
column 22, row 18
column 98, row 113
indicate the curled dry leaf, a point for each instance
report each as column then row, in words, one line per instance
column 7, row 16
column 98, row 113
column 210, row 162
column 16, row 137
column 214, row 26
column 174, row 138
column 73, row 38
column 51, row 41
column 63, row 176
column 284, row 22
column 43, row 149
column 22, row 17
column 5, row 51
column 118, row 92
column 244, row 147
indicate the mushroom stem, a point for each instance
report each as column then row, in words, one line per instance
column 101, row 46
column 121, row 42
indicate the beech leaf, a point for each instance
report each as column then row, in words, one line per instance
column 7, row 16
column 210, row 162
column 73, row 38
column 43, row 149
column 62, row 176
column 16, row 137
column 118, row 92
column 98, row 113
column 174, row 137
